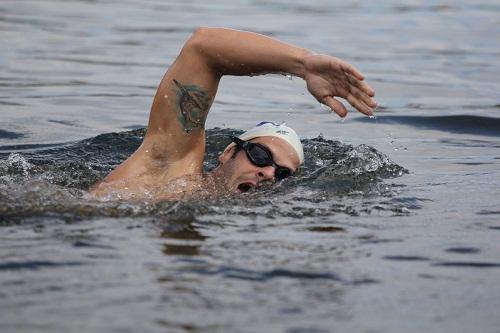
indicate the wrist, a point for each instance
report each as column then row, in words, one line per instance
column 300, row 68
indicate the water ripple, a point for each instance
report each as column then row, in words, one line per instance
column 464, row 124
column 36, row 264
column 262, row 276
column 467, row 264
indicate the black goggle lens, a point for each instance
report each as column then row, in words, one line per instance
column 259, row 156
column 282, row 173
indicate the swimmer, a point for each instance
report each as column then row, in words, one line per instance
column 169, row 162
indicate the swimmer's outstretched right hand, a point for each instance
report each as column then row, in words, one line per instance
column 329, row 77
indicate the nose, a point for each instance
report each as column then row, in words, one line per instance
column 266, row 173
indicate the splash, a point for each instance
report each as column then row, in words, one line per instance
column 52, row 183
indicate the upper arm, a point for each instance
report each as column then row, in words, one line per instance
column 175, row 139
column 176, row 128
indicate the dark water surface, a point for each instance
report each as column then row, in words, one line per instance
column 393, row 224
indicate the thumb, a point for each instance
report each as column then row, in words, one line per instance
column 335, row 105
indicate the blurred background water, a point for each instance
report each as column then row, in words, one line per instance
column 355, row 244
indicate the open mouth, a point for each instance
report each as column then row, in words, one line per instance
column 245, row 187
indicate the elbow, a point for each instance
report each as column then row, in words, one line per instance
column 199, row 38
column 200, row 32
column 194, row 46
column 202, row 45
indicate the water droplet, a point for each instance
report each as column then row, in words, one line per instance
column 289, row 77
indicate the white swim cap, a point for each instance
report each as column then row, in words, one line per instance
column 267, row 128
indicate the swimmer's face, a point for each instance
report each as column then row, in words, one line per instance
column 241, row 175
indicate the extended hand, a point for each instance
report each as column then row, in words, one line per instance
column 328, row 77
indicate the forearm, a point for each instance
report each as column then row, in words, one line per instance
column 233, row 52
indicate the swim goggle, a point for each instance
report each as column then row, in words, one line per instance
column 260, row 156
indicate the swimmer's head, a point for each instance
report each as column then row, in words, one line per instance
column 268, row 128
column 239, row 167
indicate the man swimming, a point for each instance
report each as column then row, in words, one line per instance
column 168, row 164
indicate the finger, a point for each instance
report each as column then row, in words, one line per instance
column 362, row 85
column 361, row 95
column 359, row 105
column 335, row 105
column 350, row 69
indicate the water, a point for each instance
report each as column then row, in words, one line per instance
column 392, row 225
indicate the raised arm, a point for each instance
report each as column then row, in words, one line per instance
column 188, row 89
column 176, row 135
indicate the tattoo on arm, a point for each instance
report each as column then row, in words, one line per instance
column 192, row 106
